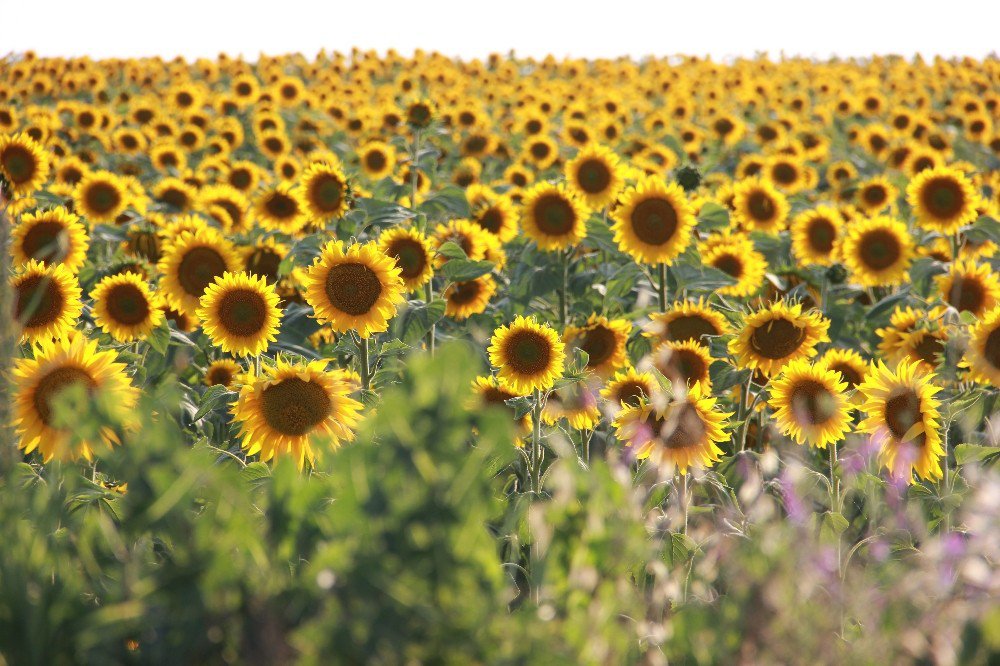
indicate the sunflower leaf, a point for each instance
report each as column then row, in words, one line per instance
column 452, row 250
column 212, row 397
column 418, row 318
column 463, row 270
column 713, row 216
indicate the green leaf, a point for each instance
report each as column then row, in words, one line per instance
column 971, row 453
column 834, row 524
column 884, row 307
column 159, row 338
column 418, row 318
column 210, row 399
column 713, row 216
column 463, row 270
column 255, row 472
column 452, row 250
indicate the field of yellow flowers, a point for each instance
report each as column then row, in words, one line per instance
column 381, row 359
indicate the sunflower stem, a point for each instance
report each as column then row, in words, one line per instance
column 8, row 342
column 563, row 290
column 536, row 443
column 662, row 287
column 946, row 481
column 428, row 295
column 744, row 402
column 415, row 146
column 365, row 371
column 683, row 501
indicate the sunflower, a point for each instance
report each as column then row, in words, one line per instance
column 464, row 299
column 902, row 418
column 575, row 403
column 681, row 435
column 412, row 252
column 490, row 391
column 378, row 159
column 354, row 289
column 281, row 208
column 541, row 151
column 736, row 256
column 46, row 301
column 970, row 287
column 924, row 345
column 263, row 258
column 224, row 372
column 101, row 196
column 604, row 341
column 239, row 313
column 291, row 407
column 191, row 263
column 687, row 320
column 653, row 221
column 24, row 163
column 628, row 388
column 758, row 206
column 685, row 363
column 175, row 193
column 810, row 405
column 495, row 214
column 528, row 356
column 982, row 355
column 815, row 235
column 901, row 322
column 124, row 307
column 595, row 175
column 849, row 363
column 553, row 217
column 324, row 190
column 55, row 367
column 467, row 235
column 420, row 113
column 776, row 335
column 875, row 195
column 54, row 236
column 878, row 251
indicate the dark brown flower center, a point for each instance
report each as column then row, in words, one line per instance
column 729, row 264
column 821, row 234
column 242, row 312
column 527, row 352
column 684, row 366
column 690, row 327
column 850, row 375
column 683, row 427
column 784, row 173
column 199, row 267
column 219, row 374
column 654, row 221
column 600, row 343
column 902, row 412
column 554, row 215
column 410, row 256
column 491, row 219
column 967, row 294
column 327, row 193
column 375, row 161
column 49, row 388
column 19, row 163
column 47, row 242
column 353, row 288
column 281, row 206
column 812, row 403
column 631, row 392
column 777, row 338
column 39, row 301
column 594, row 176
column 991, row 348
column 761, row 206
column 127, row 304
column 264, row 262
column 462, row 293
column 880, row 249
column 294, row 406
column 102, row 197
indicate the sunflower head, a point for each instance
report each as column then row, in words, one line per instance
column 736, row 256
column 470, row 297
column 324, row 190
column 628, row 388
column 55, row 368
column 54, row 236
column 47, row 300
column 124, row 307
column 575, row 403
column 553, row 217
column 815, row 235
column 653, row 221
column 101, row 196
column 604, row 340
column 809, row 404
column 224, row 372
column 528, row 356
column 491, row 392
column 291, row 408
column 683, row 363
column 239, row 313
column 687, row 320
column 412, row 252
column 758, row 206
column 595, row 175
column 191, row 263
column 777, row 334
column 281, row 208
column 24, row 164
column 354, row 288
column 982, row 356
column 902, row 417
column 970, row 287
column 878, row 251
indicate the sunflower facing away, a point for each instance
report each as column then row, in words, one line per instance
column 902, row 418
column 23, row 163
column 553, row 217
column 291, row 408
column 354, row 289
column 878, row 251
column 942, row 199
column 46, row 301
column 239, row 313
column 56, row 366
column 604, row 341
column 810, row 405
column 412, row 252
column 595, row 174
column 776, row 335
column 124, row 307
column 53, row 236
column 681, row 435
column 982, row 356
column 653, row 221
column 191, row 263
column 528, row 356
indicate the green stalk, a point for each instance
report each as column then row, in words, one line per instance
column 662, row 287
column 364, row 370
column 536, row 444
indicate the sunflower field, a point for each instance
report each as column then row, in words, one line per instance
column 372, row 358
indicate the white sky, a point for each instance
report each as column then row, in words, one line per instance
column 474, row 28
